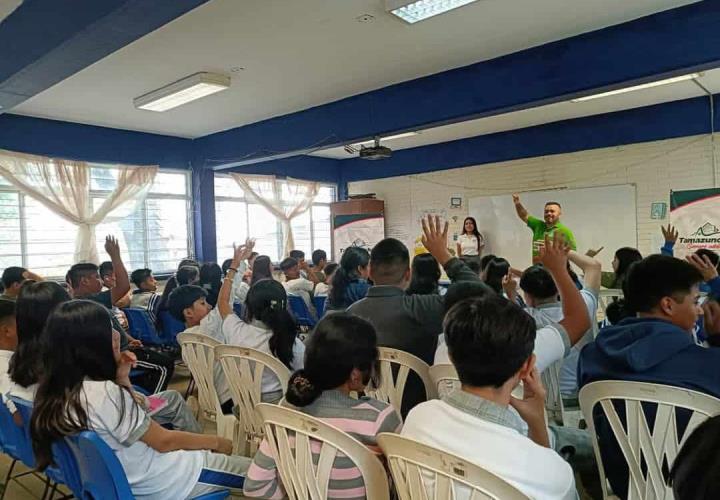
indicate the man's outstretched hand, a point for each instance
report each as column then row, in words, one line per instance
column 435, row 238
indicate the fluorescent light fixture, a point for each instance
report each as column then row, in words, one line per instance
column 658, row 83
column 182, row 92
column 412, row 11
column 388, row 138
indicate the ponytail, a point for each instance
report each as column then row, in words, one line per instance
column 340, row 282
column 284, row 331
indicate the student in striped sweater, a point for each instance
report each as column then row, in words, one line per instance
column 341, row 357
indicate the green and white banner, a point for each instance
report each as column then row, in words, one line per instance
column 696, row 216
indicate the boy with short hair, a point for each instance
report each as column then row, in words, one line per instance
column 296, row 284
column 654, row 346
column 187, row 303
column 8, row 343
column 319, row 260
column 13, row 278
column 491, row 342
column 146, row 296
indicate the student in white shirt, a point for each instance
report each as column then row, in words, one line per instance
column 296, row 284
column 541, row 297
column 323, row 288
column 491, row 342
column 470, row 243
column 8, row 343
column 268, row 326
column 87, row 387
column 553, row 341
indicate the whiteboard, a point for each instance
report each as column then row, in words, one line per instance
column 599, row 216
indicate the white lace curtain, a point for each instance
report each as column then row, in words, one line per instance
column 284, row 200
column 63, row 186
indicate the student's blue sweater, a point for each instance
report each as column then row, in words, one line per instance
column 645, row 350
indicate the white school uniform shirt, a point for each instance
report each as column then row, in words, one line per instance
column 151, row 474
column 211, row 325
column 256, row 335
column 551, row 344
column 10, row 388
column 486, row 434
column 321, row 289
column 302, row 287
column 469, row 244
column 551, row 313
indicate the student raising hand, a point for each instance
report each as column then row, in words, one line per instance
column 553, row 255
column 702, row 263
column 435, row 238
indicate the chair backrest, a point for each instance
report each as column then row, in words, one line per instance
column 392, row 388
column 421, row 472
column 244, row 369
column 15, row 438
column 198, row 352
column 646, row 449
column 320, row 301
column 171, row 326
column 299, row 309
column 101, row 474
column 553, row 398
column 445, row 379
column 140, row 326
column 295, row 438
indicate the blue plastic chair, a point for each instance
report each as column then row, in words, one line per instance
column 141, row 327
column 170, row 327
column 101, row 474
column 320, row 301
column 239, row 309
column 300, row 310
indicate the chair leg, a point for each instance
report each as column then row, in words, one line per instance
column 7, row 479
column 47, row 489
column 190, row 387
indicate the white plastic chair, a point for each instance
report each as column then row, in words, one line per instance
column 244, row 369
column 293, row 436
column 639, row 444
column 421, row 472
column 198, row 352
column 553, row 398
column 392, row 388
column 444, row 378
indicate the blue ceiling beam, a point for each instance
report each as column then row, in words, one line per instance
column 651, row 123
column 665, row 44
column 45, row 41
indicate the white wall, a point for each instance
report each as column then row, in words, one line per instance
column 655, row 168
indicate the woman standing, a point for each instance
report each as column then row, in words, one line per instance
column 470, row 243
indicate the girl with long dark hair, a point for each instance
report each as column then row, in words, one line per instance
column 85, row 386
column 494, row 272
column 267, row 326
column 425, row 275
column 211, row 280
column 341, row 357
column 349, row 283
column 624, row 258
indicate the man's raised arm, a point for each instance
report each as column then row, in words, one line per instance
column 519, row 208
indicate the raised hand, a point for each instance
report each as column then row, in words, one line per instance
column 112, row 247
column 669, row 233
column 516, row 198
column 553, row 255
column 510, row 286
column 435, row 239
column 242, row 252
column 703, row 264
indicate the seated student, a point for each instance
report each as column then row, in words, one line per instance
column 323, row 289
column 624, row 258
column 242, row 278
column 146, row 296
column 491, row 344
column 188, row 303
column 13, row 278
column 695, row 471
column 107, row 275
column 410, row 323
column 306, row 271
column 85, row 283
column 472, row 263
column 341, row 358
column 541, row 297
column 655, row 346
column 86, row 386
column 319, row 260
column 211, row 276
column 425, row 275
column 8, row 343
column 296, row 284
column 349, row 283
column 494, row 272
column 33, row 306
column 268, row 326
column 188, row 273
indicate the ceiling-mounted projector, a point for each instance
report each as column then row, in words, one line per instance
column 375, row 152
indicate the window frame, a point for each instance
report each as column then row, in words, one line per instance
column 276, row 195
column 102, row 193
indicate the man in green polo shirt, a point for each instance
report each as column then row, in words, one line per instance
column 540, row 228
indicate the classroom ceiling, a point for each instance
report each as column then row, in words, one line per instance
column 546, row 114
column 288, row 55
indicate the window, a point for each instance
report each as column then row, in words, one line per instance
column 237, row 219
column 157, row 235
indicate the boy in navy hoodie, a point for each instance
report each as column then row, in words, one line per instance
column 655, row 346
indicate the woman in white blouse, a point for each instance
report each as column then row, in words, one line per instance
column 470, row 243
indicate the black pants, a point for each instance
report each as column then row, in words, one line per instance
column 154, row 370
